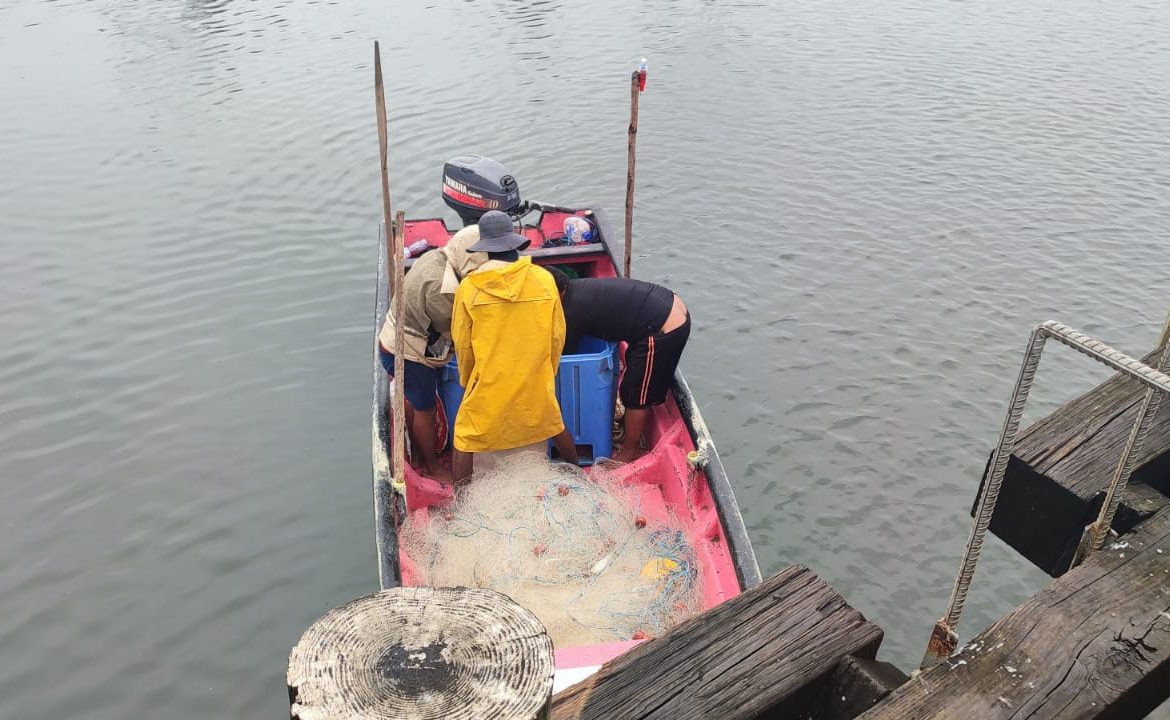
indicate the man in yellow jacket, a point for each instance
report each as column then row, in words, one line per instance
column 509, row 329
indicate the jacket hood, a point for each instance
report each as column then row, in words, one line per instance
column 504, row 280
column 461, row 263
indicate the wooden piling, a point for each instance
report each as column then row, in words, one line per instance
column 394, row 241
column 631, row 156
column 1060, row 467
column 383, row 158
column 1093, row 644
column 761, row 654
column 423, row 654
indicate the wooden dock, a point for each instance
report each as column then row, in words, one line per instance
column 1061, row 465
column 1093, row 644
column 766, row 653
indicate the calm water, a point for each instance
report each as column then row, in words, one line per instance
column 867, row 205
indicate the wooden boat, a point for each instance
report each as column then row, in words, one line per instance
column 680, row 473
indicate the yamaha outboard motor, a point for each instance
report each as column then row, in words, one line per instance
column 472, row 185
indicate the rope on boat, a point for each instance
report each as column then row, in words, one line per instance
column 944, row 638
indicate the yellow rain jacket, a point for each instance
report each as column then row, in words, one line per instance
column 508, row 328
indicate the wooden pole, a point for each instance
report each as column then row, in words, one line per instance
column 399, row 308
column 399, row 304
column 383, row 151
column 420, row 653
column 637, row 80
column 395, row 260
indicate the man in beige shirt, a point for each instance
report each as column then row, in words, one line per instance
column 428, row 296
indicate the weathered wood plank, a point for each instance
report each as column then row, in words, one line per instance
column 856, row 685
column 761, row 652
column 1093, row 644
column 1057, row 475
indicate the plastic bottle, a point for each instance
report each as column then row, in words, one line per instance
column 577, row 230
column 415, row 249
column 642, row 76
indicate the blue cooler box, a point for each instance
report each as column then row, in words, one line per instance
column 586, row 387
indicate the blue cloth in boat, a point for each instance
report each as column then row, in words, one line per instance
column 422, row 381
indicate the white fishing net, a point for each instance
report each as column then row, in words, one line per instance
column 573, row 548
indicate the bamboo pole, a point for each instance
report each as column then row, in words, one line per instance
column 399, row 308
column 637, row 83
column 399, row 305
column 383, row 146
column 395, row 260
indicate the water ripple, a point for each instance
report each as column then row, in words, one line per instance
column 899, row 192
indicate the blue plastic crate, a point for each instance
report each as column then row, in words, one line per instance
column 586, row 387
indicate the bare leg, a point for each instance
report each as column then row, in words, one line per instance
column 411, row 456
column 412, row 446
column 461, row 464
column 635, row 421
column 564, row 444
column 422, row 442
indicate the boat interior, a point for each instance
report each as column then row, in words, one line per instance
column 667, row 478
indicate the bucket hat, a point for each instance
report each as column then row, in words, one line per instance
column 497, row 235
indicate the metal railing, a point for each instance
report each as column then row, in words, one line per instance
column 944, row 638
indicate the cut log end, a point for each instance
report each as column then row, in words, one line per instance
column 422, row 653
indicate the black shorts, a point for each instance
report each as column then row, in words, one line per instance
column 650, row 366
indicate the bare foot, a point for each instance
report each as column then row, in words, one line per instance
column 440, row 473
column 606, row 463
column 628, row 453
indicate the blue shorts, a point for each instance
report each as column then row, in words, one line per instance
column 422, row 381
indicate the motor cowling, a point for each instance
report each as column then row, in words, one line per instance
column 473, row 184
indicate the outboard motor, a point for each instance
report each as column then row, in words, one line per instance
column 472, row 185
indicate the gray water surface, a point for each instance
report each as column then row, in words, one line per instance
column 866, row 205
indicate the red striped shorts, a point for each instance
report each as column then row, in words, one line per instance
column 650, row 366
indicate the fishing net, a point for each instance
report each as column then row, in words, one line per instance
column 575, row 549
